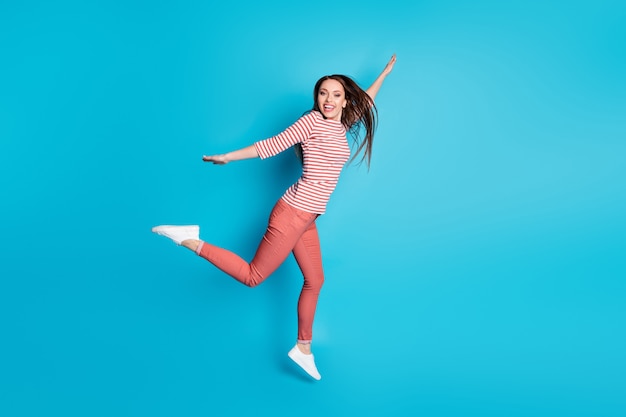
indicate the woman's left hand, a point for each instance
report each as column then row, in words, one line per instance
column 390, row 65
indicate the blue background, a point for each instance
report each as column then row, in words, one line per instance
column 478, row 269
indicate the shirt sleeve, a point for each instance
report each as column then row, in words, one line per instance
column 296, row 133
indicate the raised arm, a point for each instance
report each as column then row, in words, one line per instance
column 248, row 152
column 373, row 89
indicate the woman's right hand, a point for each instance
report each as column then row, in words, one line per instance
column 245, row 153
column 216, row 159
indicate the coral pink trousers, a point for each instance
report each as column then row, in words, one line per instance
column 288, row 230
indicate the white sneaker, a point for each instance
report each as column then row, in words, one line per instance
column 178, row 233
column 306, row 362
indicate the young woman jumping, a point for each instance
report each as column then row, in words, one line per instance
column 340, row 106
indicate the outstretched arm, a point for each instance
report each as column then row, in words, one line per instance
column 245, row 153
column 373, row 89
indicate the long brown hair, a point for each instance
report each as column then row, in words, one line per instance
column 360, row 111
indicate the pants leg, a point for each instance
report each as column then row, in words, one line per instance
column 309, row 258
column 286, row 226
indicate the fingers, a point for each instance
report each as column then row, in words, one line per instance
column 391, row 63
column 216, row 159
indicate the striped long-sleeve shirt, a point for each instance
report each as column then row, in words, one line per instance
column 325, row 151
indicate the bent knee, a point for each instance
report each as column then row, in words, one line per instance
column 253, row 280
column 251, row 283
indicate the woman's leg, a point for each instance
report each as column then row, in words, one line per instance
column 286, row 225
column 289, row 229
column 309, row 257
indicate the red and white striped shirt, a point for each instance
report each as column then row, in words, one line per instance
column 325, row 151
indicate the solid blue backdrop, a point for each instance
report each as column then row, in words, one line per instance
column 476, row 270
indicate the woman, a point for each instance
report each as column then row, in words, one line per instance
column 340, row 106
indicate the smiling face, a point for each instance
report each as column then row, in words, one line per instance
column 331, row 99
